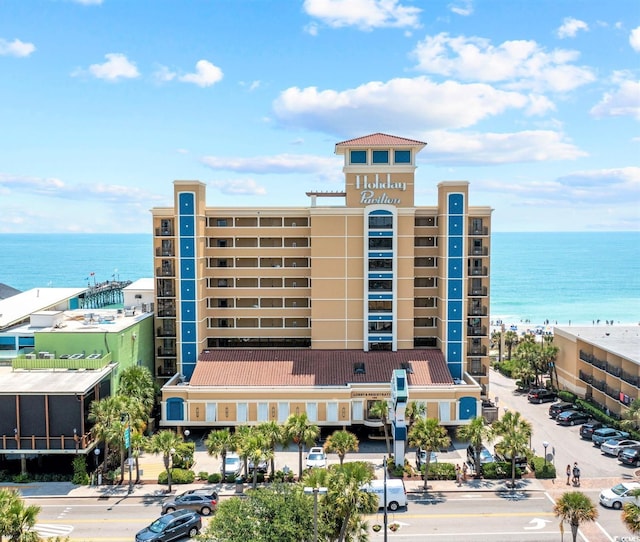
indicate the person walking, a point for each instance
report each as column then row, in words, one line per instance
column 458, row 475
column 465, row 468
column 576, row 474
column 568, row 473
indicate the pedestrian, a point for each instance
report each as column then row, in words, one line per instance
column 458, row 475
column 576, row 474
column 568, row 473
column 465, row 469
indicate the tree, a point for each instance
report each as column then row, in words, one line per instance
column 218, row 443
column 380, row 409
column 510, row 340
column 475, row 432
column 427, row 434
column 341, row 442
column 138, row 444
column 515, row 432
column 280, row 512
column 415, row 410
column 302, row 432
column 137, row 381
column 574, row 507
column 273, row 433
column 165, row 442
column 106, row 416
column 631, row 418
column 631, row 514
column 496, row 339
column 16, row 519
column 256, row 449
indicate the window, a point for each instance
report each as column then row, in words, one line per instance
column 380, row 157
column 380, row 265
column 263, row 412
column 283, row 412
column 221, row 222
column 358, row 157
column 332, row 412
column 242, row 412
column 210, row 412
column 312, row 412
column 402, row 157
column 377, row 222
column 380, row 243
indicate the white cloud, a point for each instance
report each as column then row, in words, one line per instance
column 634, row 39
column 519, row 63
column 116, row 67
column 88, row 2
column 363, row 14
column 570, row 28
column 206, row 74
column 16, row 48
column 624, row 101
column 456, row 149
column 279, row 164
column 164, row 75
column 239, row 187
column 400, row 105
column 463, row 8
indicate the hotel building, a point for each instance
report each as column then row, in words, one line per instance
column 264, row 312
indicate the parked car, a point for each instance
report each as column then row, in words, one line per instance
column 619, row 494
column 614, row 446
column 174, row 526
column 630, row 456
column 605, row 433
column 202, row 503
column 541, row 395
column 521, row 461
column 421, row 458
column 316, row 457
column 232, row 465
column 262, row 466
column 560, row 406
column 587, row 429
column 572, row 417
column 485, row 455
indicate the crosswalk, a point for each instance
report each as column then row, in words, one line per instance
column 49, row 530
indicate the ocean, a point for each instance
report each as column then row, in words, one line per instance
column 564, row 278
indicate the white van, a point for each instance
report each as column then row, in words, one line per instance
column 396, row 493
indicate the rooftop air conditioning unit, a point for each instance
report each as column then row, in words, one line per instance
column 30, row 356
column 48, row 355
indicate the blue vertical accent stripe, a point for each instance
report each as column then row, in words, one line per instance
column 187, row 283
column 455, row 286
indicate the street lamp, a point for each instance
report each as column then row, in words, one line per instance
column 384, row 489
column 96, row 455
column 315, row 491
column 127, row 444
column 546, row 445
column 76, row 439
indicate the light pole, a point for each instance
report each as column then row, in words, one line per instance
column 315, row 491
column 546, row 445
column 127, row 444
column 96, row 455
column 384, row 469
column 76, row 439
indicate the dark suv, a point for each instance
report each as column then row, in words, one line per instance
column 586, row 430
column 541, row 395
column 630, row 456
column 557, row 408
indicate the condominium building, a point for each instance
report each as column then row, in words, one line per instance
column 261, row 312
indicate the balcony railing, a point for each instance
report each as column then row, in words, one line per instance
column 478, row 271
column 614, row 370
column 476, row 331
column 85, row 362
column 478, row 311
column 478, row 371
column 477, row 351
column 164, row 232
column 482, row 291
column 481, row 230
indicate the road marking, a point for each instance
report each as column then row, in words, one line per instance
column 538, row 523
column 48, row 530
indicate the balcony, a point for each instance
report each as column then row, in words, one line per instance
column 167, row 331
column 477, row 351
column 479, row 331
column 478, row 371
column 479, row 251
column 478, row 292
column 164, row 231
column 479, row 230
column 166, row 352
column 477, row 311
column 478, row 271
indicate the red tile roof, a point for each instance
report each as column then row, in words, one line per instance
column 299, row 368
column 380, row 140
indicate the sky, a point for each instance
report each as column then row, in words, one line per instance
column 104, row 103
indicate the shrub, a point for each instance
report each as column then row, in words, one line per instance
column 22, row 478
column 178, row 476
column 541, row 470
column 499, row 470
column 214, row 478
column 203, row 475
column 442, row 471
column 80, row 476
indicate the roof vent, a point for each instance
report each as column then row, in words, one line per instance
column 406, row 365
column 358, row 368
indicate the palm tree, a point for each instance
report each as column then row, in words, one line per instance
column 341, row 442
column 165, row 442
column 108, row 427
column 415, row 410
column 516, row 434
column 218, row 443
column 380, row 409
column 137, row 381
column 475, row 432
column 548, row 356
column 631, row 418
column 16, row 519
column 256, row 448
column 631, row 514
column 496, row 338
column 138, row 444
column 301, row 431
column 510, row 340
column 427, row 434
column 273, row 433
column 575, row 508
